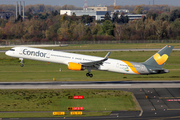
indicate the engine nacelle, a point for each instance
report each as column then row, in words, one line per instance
column 75, row 66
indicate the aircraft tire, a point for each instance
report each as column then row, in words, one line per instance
column 87, row 74
column 90, row 75
column 21, row 65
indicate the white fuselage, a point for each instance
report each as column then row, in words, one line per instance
column 112, row 65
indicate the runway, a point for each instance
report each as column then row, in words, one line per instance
column 89, row 85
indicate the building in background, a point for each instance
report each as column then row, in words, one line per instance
column 99, row 8
column 98, row 15
column 125, row 12
column 135, row 16
column 6, row 15
column 122, row 11
column 105, row 8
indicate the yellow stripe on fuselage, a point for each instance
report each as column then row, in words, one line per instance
column 131, row 66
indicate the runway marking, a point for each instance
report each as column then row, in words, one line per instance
column 169, row 97
column 100, row 85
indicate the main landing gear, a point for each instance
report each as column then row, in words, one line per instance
column 21, row 62
column 89, row 73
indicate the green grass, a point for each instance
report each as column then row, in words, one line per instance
column 57, row 100
column 109, row 46
column 115, row 46
column 10, row 70
column 54, row 100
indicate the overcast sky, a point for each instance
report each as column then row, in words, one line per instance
column 80, row 3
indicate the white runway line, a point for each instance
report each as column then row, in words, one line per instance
column 101, row 85
column 95, row 86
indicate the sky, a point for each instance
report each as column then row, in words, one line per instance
column 80, row 3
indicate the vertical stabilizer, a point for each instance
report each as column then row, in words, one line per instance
column 159, row 59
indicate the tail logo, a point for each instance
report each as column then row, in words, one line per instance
column 160, row 59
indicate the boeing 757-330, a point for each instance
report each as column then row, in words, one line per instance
column 80, row 62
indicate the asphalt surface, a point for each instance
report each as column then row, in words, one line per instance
column 153, row 101
column 90, row 85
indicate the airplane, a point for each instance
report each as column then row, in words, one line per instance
column 79, row 62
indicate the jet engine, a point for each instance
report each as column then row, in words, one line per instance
column 75, row 66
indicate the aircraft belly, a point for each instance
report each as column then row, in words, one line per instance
column 128, row 67
column 140, row 68
column 119, row 67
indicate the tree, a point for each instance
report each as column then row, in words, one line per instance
column 126, row 19
column 121, row 20
column 152, row 14
column 3, row 22
column 118, row 31
column 18, row 30
column 95, row 29
column 117, row 7
column 174, row 15
column 86, row 19
column 176, row 27
column 79, row 31
column 1, row 10
column 138, row 10
column 177, row 24
column 115, row 17
column 107, row 16
column 29, row 14
column 54, row 13
column 19, row 18
column 164, row 16
column 64, row 18
column 107, row 28
column 63, row 31
column 159, row 28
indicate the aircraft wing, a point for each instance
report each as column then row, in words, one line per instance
column 94, row 63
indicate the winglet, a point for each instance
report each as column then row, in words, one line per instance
column 107, row 55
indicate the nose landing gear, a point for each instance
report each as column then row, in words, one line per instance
column 21, row 62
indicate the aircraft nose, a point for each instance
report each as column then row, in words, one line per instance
column 7, row 52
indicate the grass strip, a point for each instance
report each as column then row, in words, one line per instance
column 57, row 100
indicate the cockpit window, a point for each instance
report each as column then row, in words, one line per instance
column 12, row 49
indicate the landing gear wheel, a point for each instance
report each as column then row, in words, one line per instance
column 87, row 74
column 21, row 65
column 90, row 75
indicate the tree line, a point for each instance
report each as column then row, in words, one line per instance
column 50, row 26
